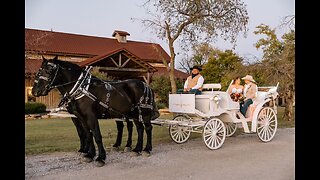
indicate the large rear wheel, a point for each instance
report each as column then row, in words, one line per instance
column 267, row 124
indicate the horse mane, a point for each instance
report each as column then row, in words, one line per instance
column 67, row 64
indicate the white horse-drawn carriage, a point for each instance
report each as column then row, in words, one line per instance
column 217, row 116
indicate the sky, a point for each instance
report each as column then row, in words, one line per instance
column 102, row 17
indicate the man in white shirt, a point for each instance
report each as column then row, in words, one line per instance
column 193, row 84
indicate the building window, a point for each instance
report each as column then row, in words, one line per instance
column 29, row 96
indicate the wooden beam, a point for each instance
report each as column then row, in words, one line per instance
column 148, row 77
column 145, row 79
column 120, row 60
column 122, row 69
column 125, row 62
column 114, row 61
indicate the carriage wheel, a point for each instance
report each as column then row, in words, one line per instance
column 214, row 133
column 179, row 134
column 267, row 124
column 231, row 128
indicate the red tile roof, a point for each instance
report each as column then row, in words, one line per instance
column 90, row 46
column 162, row 71
column 32, row 65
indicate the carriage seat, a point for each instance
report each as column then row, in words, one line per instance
column 265, row 92
column 207, row 88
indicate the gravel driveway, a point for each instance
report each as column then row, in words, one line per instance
column 241, row 157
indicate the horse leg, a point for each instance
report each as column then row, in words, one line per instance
column 140, row 129
column 88, row 145
column 94, row 127
column 91, row 150
column 148, row 148
column 119, row 135
column 81, row 134
column 129, row 141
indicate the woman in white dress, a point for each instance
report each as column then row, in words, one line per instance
column 236, row 90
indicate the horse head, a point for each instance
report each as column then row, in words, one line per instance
column 54, row 73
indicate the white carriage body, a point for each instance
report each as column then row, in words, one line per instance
column 216, row 115
column 219, row 104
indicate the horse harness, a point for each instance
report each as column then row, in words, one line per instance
column 81, row 89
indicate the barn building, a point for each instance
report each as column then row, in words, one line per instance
column 117, row 56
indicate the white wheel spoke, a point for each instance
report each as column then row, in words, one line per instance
column 184, row 135
column 268, row 134
column 211, row 125
column 180, row 137
column 220, row 139
column 209, row 140
column 268, row 112
column 175, row 135
column 271, row 128
column 228, row 130
column 263, row 133
column 260, row 133
column 219, row 128
column 261, row 126
column 214, row 142
column 270, row 118
column 174, row 130
column 216, row 124
column 272, row 121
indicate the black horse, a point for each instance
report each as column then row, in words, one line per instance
column 89, row 99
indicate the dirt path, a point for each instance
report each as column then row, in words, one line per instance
column 240, row 157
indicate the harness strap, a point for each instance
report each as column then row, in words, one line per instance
column 81, row 89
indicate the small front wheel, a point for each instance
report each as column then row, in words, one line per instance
column 231, row 128
column 214, row 133
column 179, row 134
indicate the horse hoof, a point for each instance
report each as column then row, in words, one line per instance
column 134, row 154
column 127, row 149
column 87, row 159
column 99, row 163
column 146, row 154
column 114, row 149
column 81, row 154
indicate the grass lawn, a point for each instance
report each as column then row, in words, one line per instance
column 52, row 135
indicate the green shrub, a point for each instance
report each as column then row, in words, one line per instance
column 34, row 108
column 162, row 87
column 161, row 105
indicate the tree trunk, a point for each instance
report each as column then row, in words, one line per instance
column 171, row 73
column 288, row 111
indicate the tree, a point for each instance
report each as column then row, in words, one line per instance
column 200, row 56
column 222, row 67
column 193, row 21
column 161, row 87
column 278, row 63
column 95, row 71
